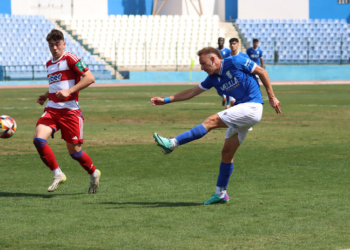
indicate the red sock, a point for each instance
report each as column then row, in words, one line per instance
column 46, row 154
column 85, row 161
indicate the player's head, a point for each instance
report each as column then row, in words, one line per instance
column 210, row 60
column 255, row 43
column 221, row 42
column 56, row 43
column 234, row 44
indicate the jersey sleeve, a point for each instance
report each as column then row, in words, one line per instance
column 244, row 64
column 76, row 64
column 206, row 84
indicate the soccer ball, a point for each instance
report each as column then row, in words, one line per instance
column 8, row 126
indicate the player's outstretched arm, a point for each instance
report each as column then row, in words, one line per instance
column 182, row 96
column 42, row 98
column 88, row 78
column 265, row 79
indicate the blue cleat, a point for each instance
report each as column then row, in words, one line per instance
column 164, row 143
column 214, row 199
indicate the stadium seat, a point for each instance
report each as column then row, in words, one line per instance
column 296, row 35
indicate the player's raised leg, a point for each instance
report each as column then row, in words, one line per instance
column 168, row 145
column 76, row 152
column 42, row 133
column 226, row 167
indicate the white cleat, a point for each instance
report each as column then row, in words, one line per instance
column 57, row 180
column 94, row 182
column 250, row 129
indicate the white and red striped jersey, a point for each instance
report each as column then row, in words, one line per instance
column 64, row 73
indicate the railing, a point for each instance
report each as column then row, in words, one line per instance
column 38, row 72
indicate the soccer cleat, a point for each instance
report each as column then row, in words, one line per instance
column 57, row 180
column 250, row 129
column 214, row 199
column 223, row 100
column 164, row 143
column 94, row 182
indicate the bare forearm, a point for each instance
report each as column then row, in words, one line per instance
column 84, row 83
column 265, row 79
column 184, row 95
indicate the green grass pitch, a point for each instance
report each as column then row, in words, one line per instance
column 290, row 188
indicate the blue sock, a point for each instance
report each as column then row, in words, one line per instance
column 224, row 174
column 76, row 156
column 191, row 135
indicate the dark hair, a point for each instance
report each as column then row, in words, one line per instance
column 255, row 40
column 55, row 35
column 221, row 38
column 234, row 40
column 209, row 50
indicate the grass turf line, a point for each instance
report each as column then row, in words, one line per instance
column 289, row 188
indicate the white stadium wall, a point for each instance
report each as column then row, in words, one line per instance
column 185, row 7
column 271, row 9
column 58, row 9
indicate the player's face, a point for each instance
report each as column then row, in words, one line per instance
column 234, row 46
column 57, row 48
column 255, row 45
column 221, row 42
column 208, row 64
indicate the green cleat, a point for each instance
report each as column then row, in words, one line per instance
column 164, row 143
column 216, row 199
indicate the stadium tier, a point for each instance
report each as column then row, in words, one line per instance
column 152, row 40
column 24, row 48
column 299, row 41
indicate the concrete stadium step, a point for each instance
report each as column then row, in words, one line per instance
column 231, row 32
column 60, row 25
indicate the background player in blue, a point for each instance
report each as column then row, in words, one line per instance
column 256, row 54
column 225, row 52
column 232, row 76
column 234, row 46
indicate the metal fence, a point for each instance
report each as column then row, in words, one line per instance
column 38, row 72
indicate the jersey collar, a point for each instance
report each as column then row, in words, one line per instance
column 222, row 67
column 58, row 58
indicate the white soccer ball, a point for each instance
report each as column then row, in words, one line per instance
column 8, row 126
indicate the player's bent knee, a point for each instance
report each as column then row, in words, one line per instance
column 211, row 122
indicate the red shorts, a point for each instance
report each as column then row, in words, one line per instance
column 70, row 122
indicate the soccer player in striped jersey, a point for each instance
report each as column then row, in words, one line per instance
column 67, row 75
column 234, row 77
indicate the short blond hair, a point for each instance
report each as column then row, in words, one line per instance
column 209, row 50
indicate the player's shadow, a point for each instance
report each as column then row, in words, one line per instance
column 45, row 196
column 150, row 204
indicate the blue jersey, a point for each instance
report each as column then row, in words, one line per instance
column 225, row 52
column 242, row 54
column 255, row 55
column 235, row 79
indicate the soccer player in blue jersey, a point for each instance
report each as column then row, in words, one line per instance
column 256, row 54
column 234, row 77
column 234, row 46
column 225, row 52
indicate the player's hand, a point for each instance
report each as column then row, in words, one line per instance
column 63, row 93
column 275, row 103
column 41, row 99
column 157, row 101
